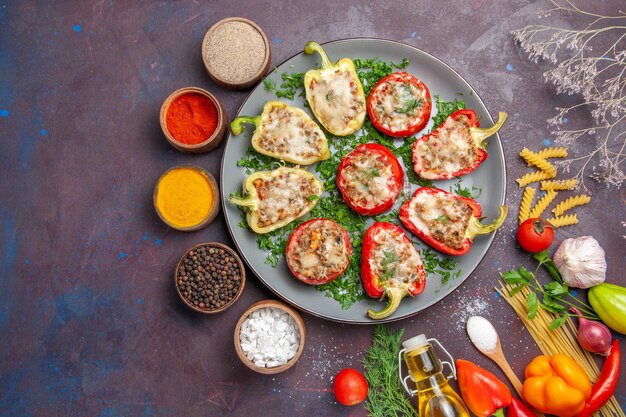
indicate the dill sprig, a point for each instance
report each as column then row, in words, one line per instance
column 385, row 397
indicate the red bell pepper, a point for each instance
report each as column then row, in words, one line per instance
column 519, row 409
column 399, row 105
column 483, row 393
column 370, row 179
column 318, row 251
column 448, row 222
column 455, row 148
column 605, row 385
column 391, row 267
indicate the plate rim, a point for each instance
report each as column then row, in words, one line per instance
column 295, row 304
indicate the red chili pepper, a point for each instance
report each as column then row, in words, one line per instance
column 483, row 393
column 605, row 385
column 437, row 156
column 391, row 267
column 363, row 197
column 439, row 218
column 519, row 409
column 410, row 105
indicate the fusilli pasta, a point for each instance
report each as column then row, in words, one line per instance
column 527, row 201
column 559, row 185
column 552, row 153
column 543, row 204
column 533, row 159
column 534, row 177
column 577, row 200
column 563, row 220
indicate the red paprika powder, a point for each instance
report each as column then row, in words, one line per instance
column 191, row 118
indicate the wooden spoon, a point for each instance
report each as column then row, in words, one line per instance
column 496, row 354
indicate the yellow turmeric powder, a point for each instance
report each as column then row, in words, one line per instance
column 184, row 197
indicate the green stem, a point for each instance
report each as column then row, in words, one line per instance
column 248, row 201
column 394, row 296
column 237, row 125
column 499, row 412
column 313, row 47
column 475, row 227
column 480, row 135
column 586, row 308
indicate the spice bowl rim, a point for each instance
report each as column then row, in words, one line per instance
column 232, row 301
column 258, row 75
column 299, row 324
column 212, row 141
column 215, row 208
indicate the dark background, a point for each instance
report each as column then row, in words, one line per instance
column 90, row 324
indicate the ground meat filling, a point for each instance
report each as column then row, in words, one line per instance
column 446, row 219
column 450, row 150
column 394, row 259
column 397, row 104
column 368, row 181
column 283, row 196
column 286, row 133
column 336, row 99
column 321, row 251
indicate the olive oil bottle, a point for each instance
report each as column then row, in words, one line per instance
column 435, row 397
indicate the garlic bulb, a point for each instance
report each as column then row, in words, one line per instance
column 581, row 262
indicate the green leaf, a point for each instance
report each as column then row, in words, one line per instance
column 553, row 308
column 556, row 289
column 556, row 323
column 513, row 277
column 541, row 256
column 516, row 289
column 528, row 276
column 531, row 302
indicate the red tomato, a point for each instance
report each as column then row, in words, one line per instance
column 535, row 235
column 370, row 191
column 350, row 387
column 399, row 105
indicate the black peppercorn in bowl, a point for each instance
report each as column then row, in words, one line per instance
column 210, row 277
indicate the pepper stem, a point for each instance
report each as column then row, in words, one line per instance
column 247, row 201
column 480, row 135
column 236, row 125
column 475, row 227
column 394, row 296
column 313, row 47
column 499, row 412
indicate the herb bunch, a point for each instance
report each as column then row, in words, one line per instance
column 555, row 296
column 590, row 61
column 385, row 397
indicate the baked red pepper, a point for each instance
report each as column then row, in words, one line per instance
column 605, row 385
column 448, row 222
column 519, row 409
column 455, row 148
column 483, row 393
column 370, row 179
column 318, row 251
column 399, row 105
column 391, row 267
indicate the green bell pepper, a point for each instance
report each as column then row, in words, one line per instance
column 609, row 301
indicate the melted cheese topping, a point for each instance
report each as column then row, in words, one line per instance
column 398, row 105
column 284, row 196
column 449, row 150
column 368, row 181
column 442, row 217
column 335, row 99
column 394, row 258
column 321, row 251
column 286, row 133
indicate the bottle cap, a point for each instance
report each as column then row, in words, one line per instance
column 415, row 342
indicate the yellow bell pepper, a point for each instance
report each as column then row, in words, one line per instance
column 556, row 385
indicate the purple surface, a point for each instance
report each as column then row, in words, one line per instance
column 89, row 319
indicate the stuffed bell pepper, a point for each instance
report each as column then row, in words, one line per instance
column 318, row 251
column 391, row 267
column 370, row 179
column 448, row 222
column 285, row 132
column 399, row 105
column 276, row 198
column 455, row 148
column 335, row 93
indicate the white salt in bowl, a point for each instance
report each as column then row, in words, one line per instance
column 299, row 325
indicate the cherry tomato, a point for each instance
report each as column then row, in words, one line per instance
column 350, row 387
column 535, row 235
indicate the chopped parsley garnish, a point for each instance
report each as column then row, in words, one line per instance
column 445, row 109
column 410, row 107
column 457, row 188
column 347, row 289
column 443, row 219
column 389, row 264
